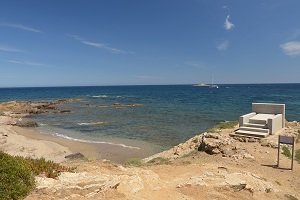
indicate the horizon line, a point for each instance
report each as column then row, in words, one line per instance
column 61, row 86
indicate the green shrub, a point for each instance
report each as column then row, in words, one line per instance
column 286, row 151
column 159, row 161
column 134, row 162
column 48, row 168
column 223, row 125
column 16, row 178
column 297, row 155
column 194, row 152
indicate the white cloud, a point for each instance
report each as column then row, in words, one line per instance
column 228, row 25
column 291, row 48
column 100, row 45
column 9, row 49
column 21, row 27
column 223, row 45
column 25, row 63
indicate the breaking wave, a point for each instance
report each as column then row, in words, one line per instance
column 94, row 142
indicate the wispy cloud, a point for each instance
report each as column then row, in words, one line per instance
column 223, row 45
column 291, row 48
column 228, row 25
column 10, row 49
column 100, row 45
column 21, row 27
column 19, row 62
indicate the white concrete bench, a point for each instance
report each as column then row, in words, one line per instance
column 265, row 118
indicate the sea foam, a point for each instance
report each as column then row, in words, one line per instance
column 94, row 142
column 91, row 123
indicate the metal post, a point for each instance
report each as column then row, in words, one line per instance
column 293, row 153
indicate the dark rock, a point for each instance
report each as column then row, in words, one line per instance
column 64, row 111
column 75, row 156
column 251, row 140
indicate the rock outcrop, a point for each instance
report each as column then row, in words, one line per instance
column 236, row 181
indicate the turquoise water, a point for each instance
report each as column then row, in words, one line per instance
column 168, row 115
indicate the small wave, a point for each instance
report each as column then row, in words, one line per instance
column 91, row 123
column 41, row 124
column 100, row 96
column 109, row 96
column 94, row 142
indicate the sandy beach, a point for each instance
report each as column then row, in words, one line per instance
column 30, row 142
column 20, row 136
column 15, row 143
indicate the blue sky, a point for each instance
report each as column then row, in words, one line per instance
column 128, row 42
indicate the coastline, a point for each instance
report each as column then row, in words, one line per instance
column 30, row 142
column 210, row 164
column 16, row 142
column 19, row 135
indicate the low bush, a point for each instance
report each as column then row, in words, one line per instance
column 16, row 177
column 17, row 174
column 297, row 155
column 134, row 162
column 159, row 161
column 286, row 151
column 223, row 125
column 47, row 168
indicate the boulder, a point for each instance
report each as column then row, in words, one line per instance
column 64, row 111
column 214, row 143
column 75, row 156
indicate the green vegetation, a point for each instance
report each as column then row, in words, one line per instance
column 194, row 152
column 16, row 177
column 48, row 168
column 17, row 174
column 223, row 125
column 286, row 151
column 297, row 155
column 133, row 162
column 159, row 161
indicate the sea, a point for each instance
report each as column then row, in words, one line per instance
column 164, row 115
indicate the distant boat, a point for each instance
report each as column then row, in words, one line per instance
column 201, row 85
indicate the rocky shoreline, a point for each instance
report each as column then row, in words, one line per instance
column 208, row 166
column 211, row 165
column 18, row 113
